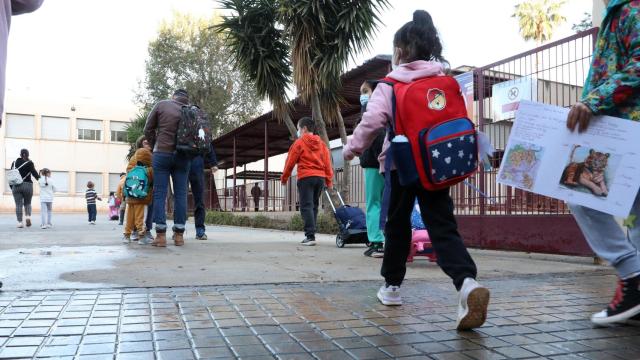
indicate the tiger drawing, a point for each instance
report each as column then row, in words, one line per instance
column 590, row 173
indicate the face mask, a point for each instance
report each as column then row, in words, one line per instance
column 364, row 99
column 298, row 133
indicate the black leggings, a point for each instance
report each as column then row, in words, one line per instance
column 437, row 212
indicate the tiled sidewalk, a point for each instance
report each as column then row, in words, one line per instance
column 533, row 317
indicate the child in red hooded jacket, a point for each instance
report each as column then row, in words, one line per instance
column 311, row 155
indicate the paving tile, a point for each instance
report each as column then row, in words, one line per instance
column 25, row 341
column 90, row 349
column 515, row 352
column 18, row 352
column 136, row 346
column 176, row 354
column 56, row 351
column 136, row 356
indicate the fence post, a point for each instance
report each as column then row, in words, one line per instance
column 482, row 183
column 266, row 166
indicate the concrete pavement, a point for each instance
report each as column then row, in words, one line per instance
column 76, row 255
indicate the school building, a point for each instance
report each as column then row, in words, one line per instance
column 79, row 140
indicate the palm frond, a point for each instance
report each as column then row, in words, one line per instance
column 259, row 47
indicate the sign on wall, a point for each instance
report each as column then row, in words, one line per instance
column 507, row 96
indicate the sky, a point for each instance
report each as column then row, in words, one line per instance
column 95, row 50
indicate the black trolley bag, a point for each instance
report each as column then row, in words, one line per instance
column 351, row 222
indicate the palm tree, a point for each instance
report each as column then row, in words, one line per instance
column 316, row 37
column 134, row 130
column 325, row 35
column 261, row 51
column 538, row 19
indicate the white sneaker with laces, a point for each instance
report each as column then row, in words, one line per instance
column 20, row 225
column 390, row 295
column 473, row 301
column 43, row 227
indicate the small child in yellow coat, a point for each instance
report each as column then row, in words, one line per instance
column 138, row 192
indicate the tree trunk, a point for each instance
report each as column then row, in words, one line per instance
column 321, row 129
column 316, row 114
column 346, row 170
column 293, row 130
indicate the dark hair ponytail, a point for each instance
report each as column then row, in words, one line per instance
column 419, row 39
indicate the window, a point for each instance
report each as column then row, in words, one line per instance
column 61, row 181
column 118, row 131
column 83, row 178
column 114, row 180
column 89, row 129
column 55, row 128
column 21, row 126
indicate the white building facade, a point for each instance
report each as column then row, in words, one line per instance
column 79, row 141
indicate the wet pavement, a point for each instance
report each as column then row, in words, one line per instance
column 74, row 255
column 531, row 317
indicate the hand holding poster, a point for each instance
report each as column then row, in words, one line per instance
column 599, row 169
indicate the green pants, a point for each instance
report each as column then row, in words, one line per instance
column 373, row 187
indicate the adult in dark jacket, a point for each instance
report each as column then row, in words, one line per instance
column 373, row 181
column 161, row 130
column 196, row 179
column 23, row 193
column 256, row 192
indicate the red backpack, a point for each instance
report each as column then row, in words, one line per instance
column 432, row 139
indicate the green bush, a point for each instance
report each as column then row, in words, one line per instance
column 296, row 223
column 262, row 221
column 327, row 224
column 243, row 221
column 219, row 218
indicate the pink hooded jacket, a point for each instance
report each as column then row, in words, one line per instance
column 380, row 108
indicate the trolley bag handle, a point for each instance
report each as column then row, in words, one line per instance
column 326, row 191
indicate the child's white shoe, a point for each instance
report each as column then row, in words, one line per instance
column 473, row 301
column 389, row 295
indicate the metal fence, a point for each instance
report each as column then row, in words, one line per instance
column 552, row 74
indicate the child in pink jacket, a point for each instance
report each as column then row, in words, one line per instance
column 418, row 54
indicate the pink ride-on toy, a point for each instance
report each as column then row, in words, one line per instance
column 421, row 245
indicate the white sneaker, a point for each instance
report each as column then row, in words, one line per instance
column 49, row 226
column 134, row 236
column 43, row 227
column 473, row 301
column 20, row 225
column 389, row 295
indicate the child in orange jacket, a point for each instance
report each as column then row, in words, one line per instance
column 311, row 155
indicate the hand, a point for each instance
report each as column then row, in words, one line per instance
column 214, row 169
column 580, row 116
column 347, row 154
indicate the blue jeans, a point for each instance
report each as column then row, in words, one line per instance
column 610, row 241
column 148, row 221
column 176, row 167
column 196, row 179
column 93, row 212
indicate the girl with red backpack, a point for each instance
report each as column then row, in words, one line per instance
column 417, row 56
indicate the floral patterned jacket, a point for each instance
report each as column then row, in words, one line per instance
column 613, row 85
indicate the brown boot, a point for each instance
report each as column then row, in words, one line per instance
column 178, row 239
column 161, row 240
